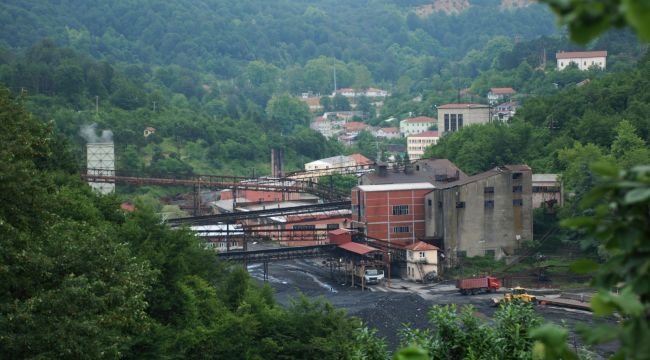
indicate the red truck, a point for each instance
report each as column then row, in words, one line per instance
column 478, row 285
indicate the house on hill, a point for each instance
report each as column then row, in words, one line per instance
column 416, row 144
column 452, row 117
column 416, row 125
column 496, row 95
column 584, row 59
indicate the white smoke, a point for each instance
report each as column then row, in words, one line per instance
column 89, row 132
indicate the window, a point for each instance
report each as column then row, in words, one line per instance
column 537, row 189
column 401, row 229
column 460, row 205
column 332, row 226
column 422, row 254
column 446, row 122
column 516, row 176
column 453, row 122
column 304, row 227
column 489, row 204
column 400, row 210
column 429, row 202
column 439, row 204
column 488, row 190
column 517, row 202
column 516, row 189
column 460, row 121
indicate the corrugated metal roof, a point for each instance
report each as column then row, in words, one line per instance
column 390, row 187
column 358, row 248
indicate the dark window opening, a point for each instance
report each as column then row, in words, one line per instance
column 453, row 122
column 332, row 226
column 489, row 204
column 516, row 176
column 488, row 190
column 460, row 121
column 429, row 202
column 304, row 227
column 516, row 189
column 400, row 210
column 460, row 205
column 401, row 229
column 517, row 202
column 446, row 122
column 439, row 204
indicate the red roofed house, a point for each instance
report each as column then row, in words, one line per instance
column 354, row 127
column 388, row 133
column 452, row 117
column 496, row 95
column 362, row 161
column 417, row 144
column 416, row 125
column 421, row 261
column 584, row 59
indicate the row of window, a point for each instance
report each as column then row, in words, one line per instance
column 400, row 209
column 313, row 227
column 489, row 204
column 545, row 189
column 453, row 122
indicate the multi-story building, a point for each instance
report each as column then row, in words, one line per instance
column 416, row 144
column 547, row 191
column 486, row 214
column 453, row 117
column 434, row 171
column 421, row 261
column 505, row 111
column 416, row 125
column 393, row 212
column 387, row 133
column 496, row 95
column 584, row 59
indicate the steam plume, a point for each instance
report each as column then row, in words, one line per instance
column 89, row 132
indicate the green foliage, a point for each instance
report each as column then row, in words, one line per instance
column 463, row 335
column 588, row 19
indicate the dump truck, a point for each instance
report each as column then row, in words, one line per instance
column 478, row 285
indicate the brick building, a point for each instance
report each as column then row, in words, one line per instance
column 392, row 212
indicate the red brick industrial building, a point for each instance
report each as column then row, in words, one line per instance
column 390, row 212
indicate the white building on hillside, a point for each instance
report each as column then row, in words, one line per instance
column 417, row 144
column 584, row 59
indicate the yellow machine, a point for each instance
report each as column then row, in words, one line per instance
column 520, row 294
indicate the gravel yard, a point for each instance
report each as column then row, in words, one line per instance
column 387, row 309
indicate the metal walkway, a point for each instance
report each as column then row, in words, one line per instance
column 279, row 254
column 230, row 217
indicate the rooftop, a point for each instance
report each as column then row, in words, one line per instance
column 433, row 171
column 361, row 160
column 390, row 130
column 507, row 90
column 421, row 246
column 580, row 54
column 426, row 134
column 545, row 177
column 360, row 249
column 420, row 119
column 355, row 125
column 456, row 106
column 394, row 187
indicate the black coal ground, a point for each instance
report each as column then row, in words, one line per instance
column 388, row 311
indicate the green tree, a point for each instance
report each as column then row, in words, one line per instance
column 284, row 112
column 340, row 103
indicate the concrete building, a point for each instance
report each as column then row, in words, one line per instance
column 330, row 163
column 548, row 191
column 452, row 117
column 489, row 214
column 496, row 95
column 393, row 212
column 416, row 125
column 584, row 59
column 369, row 92
column 416, row 144
column 421, row 261
column 100, row 161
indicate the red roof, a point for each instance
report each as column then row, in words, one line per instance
column 390, row 130
column 361, row 160
column 421, row 246
column 128, row 207
column 454, row 106
column 339, row 231
column 345, row 90
column 355, row 125
column 421, row 119
column 358, row 248
column 426, row 134
column 580, row 54
column 507, row 90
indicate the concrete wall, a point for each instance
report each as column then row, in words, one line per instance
column 475, row 229
column 471, row 115
column 583, row 63
column 417, row 267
